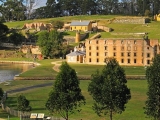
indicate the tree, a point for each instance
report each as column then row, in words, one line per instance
column 152, row 104
column 109, row 89
column 16, row 38
column 66, row 96
column 1, row 93
column 3, row 32
column 23, row 104
column 50, row 43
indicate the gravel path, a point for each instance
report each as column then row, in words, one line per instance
column 28, row 88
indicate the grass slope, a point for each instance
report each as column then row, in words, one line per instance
column 134, row 108
column 151, row 28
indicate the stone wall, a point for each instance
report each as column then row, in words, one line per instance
column 130, row 20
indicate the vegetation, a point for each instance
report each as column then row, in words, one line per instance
column 134, row 108
column 23, row 104
column 66, row 96
column 1, row 93
column 152, row 108
column 109, row 90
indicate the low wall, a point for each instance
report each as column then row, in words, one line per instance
column 82, row 77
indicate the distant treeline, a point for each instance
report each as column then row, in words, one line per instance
column 25, row 9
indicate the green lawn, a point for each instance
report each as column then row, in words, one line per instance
column 151, row 28
column 134, row 109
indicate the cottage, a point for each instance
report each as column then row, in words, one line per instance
column 81, row 26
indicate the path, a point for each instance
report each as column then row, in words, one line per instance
column 28, row 88
column 56, row 65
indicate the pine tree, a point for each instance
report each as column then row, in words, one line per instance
column 109, row 90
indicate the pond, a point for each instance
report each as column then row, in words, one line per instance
column 9, row 70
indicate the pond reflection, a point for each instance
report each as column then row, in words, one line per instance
column 9, row 70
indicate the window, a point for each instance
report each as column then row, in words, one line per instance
column 148, row 61
column 122, row 54
column 105, row 47
column 97, row 42
column 89, row 53
column 147, row 48
column 128, row 42
column 74, row 27
column 114, row 41
column 134, row 41
column 129, row 61
column 148, row 55
column 129, row 48
column 105, row 54
column 142, row 61
column 135, row 48
column 135, row 61
column 90, row 60
column 89, row 42
column 114, row 47
column 97, row 54
column 122, row 48
column 122, row 42
column 135, row 54
column 97, row 48
column 114, row 54
column 97, row 60
column 105, row 42
column 122, row 60
column 89, row 47
column 128, row 54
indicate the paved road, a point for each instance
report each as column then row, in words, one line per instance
column 28, row 88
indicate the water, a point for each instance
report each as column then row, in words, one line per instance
column 9, row 70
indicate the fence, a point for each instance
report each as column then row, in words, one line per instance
column 26, row 115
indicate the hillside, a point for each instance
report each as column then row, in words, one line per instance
column 119, row 30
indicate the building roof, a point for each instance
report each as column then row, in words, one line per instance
column 76, row 53
column 79, row 23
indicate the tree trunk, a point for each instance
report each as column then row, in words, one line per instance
column 110, row 114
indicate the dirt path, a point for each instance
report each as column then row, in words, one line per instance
column 56, row 66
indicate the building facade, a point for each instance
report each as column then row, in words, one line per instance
column 128, row 52
column 81, row 26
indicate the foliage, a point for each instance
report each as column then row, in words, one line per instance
column 1, row 93
column 16, row 38
column 152, row 108
column 109, row 89
column 58, row 24
column 23, row 104
column 3, row 31
column 50, row 43
column 66, row 96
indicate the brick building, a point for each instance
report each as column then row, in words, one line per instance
column 129, row 52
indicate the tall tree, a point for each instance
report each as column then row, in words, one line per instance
column 23, row 104
column 1, row 93
column 152, row 108
column 16, row 38
column 109, row 90
column 66, row 96
column 3, row 32
column 50, row 42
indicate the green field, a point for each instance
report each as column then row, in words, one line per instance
column 37, row 97
column 151, row 28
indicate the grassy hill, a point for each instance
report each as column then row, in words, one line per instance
column 119, row 30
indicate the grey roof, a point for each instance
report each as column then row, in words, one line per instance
column 79, row 23
column 76, row 53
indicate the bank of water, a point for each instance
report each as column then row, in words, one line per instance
column 9, row 70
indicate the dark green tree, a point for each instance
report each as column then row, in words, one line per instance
column 50, row 43
column 16, row 38
column 1, row 93
column 152, row 104
column 109, row 90
column 66, row 96
column 23, row 104
column 3, row 32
